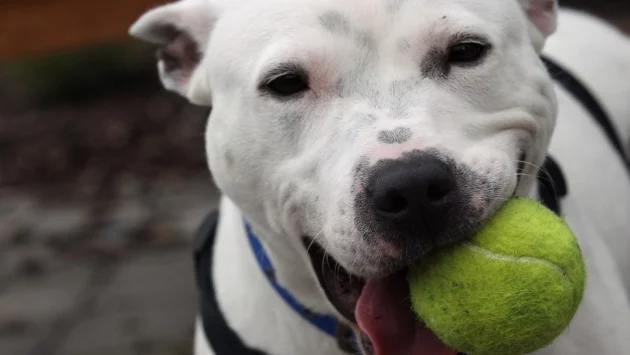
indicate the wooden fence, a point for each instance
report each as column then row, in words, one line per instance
column 33, row 26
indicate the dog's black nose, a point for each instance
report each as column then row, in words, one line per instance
column 415, row 194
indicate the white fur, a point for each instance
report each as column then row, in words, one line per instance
column 288, row 165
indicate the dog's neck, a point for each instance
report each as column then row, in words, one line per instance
column 251, row 306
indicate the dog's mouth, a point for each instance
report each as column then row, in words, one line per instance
column 379, row 307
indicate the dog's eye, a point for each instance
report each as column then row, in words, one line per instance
column 288, row 84
column 466, row 52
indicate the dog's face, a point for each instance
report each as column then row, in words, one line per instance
column 374, row 130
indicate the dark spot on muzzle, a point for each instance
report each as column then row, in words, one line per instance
column 396, row 136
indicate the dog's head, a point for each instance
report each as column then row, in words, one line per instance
column 374, row 130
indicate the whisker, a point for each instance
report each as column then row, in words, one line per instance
column 336, row 273
column 354, row 262
column 498, row 199
column 324, row 262
column 544, row 177
column 308, row 248
column 528, row 163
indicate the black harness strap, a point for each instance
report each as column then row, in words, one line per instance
column 551, row 185
column 222, row 338
column 584, row 96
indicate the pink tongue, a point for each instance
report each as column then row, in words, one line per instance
column 384, row 314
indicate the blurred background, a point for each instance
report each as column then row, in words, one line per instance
column 102, row 183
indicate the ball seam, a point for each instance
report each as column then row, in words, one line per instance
column 519, row 259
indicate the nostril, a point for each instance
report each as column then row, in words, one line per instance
column 392, row 203
column 398, row 204
column 439, row 190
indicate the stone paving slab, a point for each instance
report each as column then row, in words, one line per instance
column 150, row 281
column 149, row 303
column 102, row 277
column 162, row 328
column 143, row 348
column 30, row 308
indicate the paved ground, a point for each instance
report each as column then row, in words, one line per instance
column 101, row 189
column 127, row 289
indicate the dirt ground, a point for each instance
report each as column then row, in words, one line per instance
column 101, row 189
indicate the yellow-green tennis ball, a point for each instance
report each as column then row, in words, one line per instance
column 511, row 289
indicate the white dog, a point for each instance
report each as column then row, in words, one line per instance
column 356, row 136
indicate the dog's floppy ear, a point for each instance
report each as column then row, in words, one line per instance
column 181, row 30
column 542, row 15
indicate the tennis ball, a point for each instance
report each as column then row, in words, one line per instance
column 511, row 289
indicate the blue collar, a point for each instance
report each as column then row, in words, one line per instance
column 328, row 324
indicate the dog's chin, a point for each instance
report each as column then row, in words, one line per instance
column 378, row 309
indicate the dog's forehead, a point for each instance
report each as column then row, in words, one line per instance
column 341, row 18
column 353, row 38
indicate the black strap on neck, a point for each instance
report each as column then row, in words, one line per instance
column 551, row 182
column 551, row 185
column 588, row 101
column 221, row 337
